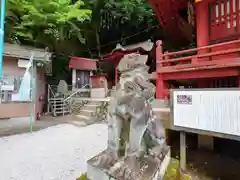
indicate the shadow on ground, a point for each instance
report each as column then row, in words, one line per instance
column 11, row 127
column 221, row 164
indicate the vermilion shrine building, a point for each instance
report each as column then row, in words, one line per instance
column 215, row 61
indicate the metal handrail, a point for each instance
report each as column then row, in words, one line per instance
column 89, row 85
column 2, row 99
column 49, row 87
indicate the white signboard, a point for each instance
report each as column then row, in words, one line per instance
column 208, row 110
column 22, row 63
column 7, row 87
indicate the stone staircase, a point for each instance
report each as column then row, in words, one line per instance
column 89, row 110
column 77, row 103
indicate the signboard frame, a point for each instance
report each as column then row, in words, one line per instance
column 198, row 131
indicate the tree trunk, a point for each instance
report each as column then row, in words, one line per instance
column 98, row 43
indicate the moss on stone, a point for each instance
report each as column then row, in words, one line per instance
column 172, row 170
column 171, row 174
column 82, row 177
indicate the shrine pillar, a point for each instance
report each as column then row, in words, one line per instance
column 116, row 75
column 202, row 24
column 160, row 83
column 74, row 78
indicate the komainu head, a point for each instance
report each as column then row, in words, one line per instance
column 132, row 65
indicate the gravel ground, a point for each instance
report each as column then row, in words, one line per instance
column 56, row 153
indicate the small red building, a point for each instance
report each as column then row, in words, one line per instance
column 82, row 69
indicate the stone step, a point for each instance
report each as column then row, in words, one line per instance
column 88, row 113
column 83, row 117
column 93, row 99
column 93, row 104
column 89, row 108
column 83, row 120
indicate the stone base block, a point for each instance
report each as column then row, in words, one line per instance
column 152, row 169
column 98, row 93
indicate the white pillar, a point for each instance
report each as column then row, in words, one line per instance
column 73, row 78
column 90, row 80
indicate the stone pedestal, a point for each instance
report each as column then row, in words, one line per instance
column 98, row 93
column 151, row 169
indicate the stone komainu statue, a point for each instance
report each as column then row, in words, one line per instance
column 132, row 121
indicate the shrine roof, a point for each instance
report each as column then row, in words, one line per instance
column 117, row 53
column 25, row 52
column 81, row 63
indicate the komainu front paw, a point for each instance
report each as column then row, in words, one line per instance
column 105, row 160
column 158, row 152
column 124, row 172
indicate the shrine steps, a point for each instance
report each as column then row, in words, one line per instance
column 90, row 109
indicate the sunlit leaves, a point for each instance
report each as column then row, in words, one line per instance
column 51, row 18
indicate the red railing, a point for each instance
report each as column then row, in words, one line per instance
column 226, row 54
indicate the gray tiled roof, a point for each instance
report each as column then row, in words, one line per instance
column 25, row 52
column 146, row 45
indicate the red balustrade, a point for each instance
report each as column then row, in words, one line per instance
column 214, row 56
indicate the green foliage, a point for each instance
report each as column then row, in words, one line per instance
column 74, row 27
column 112, row 20
column 110, row 12
column 52, row 22
column 129, row 10
column 54, row 19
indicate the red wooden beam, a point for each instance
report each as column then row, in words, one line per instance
column 203, row 65
column 201, row 48
column 171, row 70
column 198, row 74
column 201, row 55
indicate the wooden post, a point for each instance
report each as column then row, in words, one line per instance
column 159, row 55
column 160, row 85
column 202, row 19
column 182, row 151
column 116, row 75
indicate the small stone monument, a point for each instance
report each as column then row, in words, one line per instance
column 62, row 87
column 136, row 142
